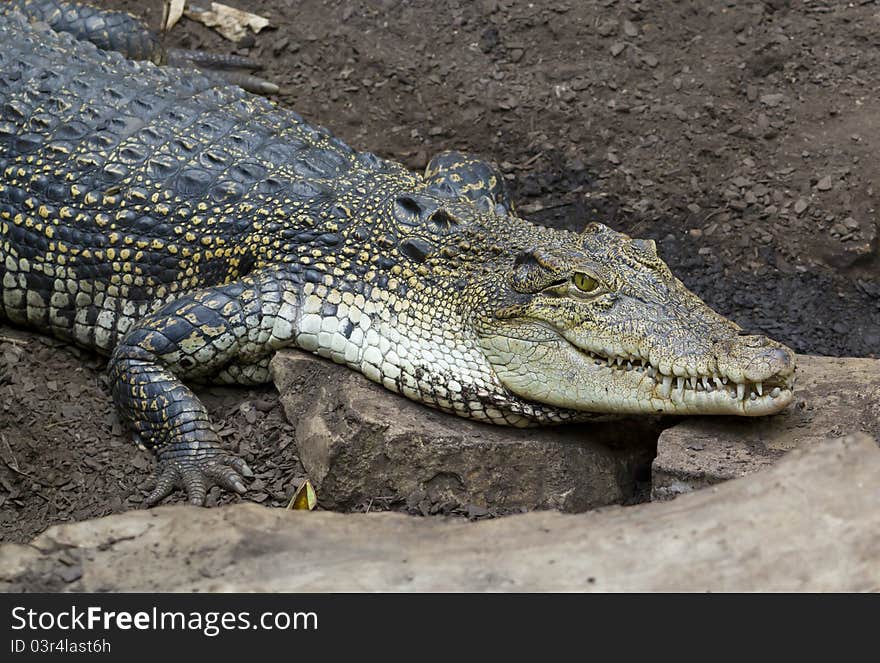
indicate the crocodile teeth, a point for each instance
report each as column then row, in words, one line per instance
column 701, row 383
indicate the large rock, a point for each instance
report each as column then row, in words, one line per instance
column 834, row 397
column 811, row 523
column 360, row 442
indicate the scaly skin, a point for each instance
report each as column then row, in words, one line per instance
column 126, row 34
column 189, row 230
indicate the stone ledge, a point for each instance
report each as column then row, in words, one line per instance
column 811, row 523
column 358, row 442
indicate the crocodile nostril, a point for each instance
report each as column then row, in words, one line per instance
column 773, row 361
column 779, row 357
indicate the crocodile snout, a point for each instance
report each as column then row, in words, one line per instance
column 755, row 358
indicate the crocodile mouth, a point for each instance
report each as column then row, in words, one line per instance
column 713, row 393
column 544, row 365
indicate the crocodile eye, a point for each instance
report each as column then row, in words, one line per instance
column 585, row 283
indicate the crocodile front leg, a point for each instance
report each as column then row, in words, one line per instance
column 197, row 337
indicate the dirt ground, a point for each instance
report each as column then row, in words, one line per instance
column 742, row 136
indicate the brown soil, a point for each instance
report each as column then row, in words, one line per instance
column 740, row 135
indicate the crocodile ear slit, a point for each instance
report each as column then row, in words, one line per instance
column 533, row 270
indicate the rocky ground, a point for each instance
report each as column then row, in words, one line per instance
column 740, row 135
column 809, row 524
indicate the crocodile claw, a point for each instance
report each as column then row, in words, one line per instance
column 197, row 475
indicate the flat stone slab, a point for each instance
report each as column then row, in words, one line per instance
column 810, row 523
column 834, row 397
column 360, row 442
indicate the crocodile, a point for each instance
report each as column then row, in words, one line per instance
column 188, row 230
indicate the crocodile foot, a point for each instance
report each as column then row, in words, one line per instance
column 196, row 474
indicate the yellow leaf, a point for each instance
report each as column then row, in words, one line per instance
column 304, row 499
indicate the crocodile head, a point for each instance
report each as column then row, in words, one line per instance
column 597, row 322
